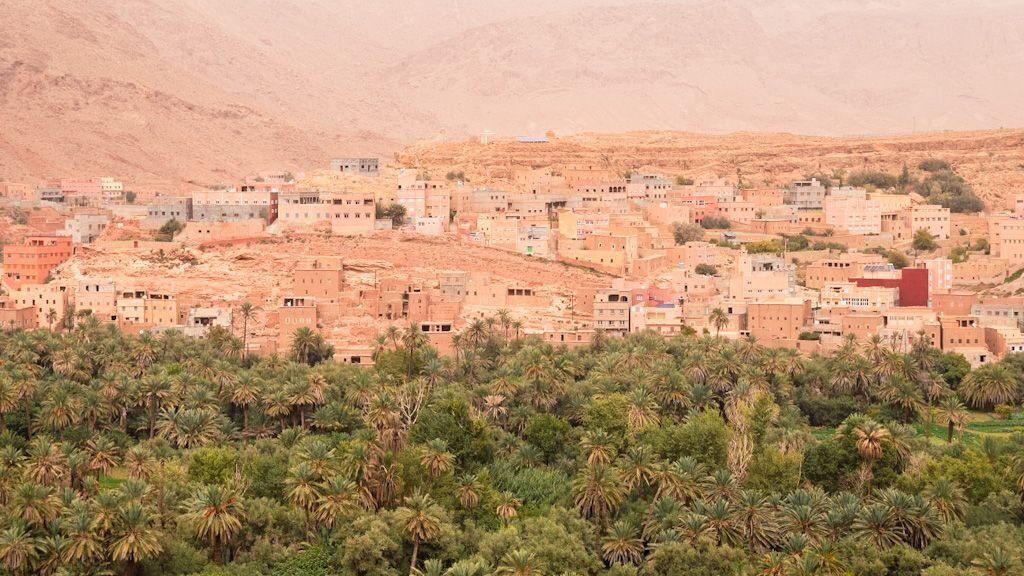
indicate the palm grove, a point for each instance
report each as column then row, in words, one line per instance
column 696, row 455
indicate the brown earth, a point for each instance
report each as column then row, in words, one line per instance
column 210, row 90
column 991, row 161
column 262, row 273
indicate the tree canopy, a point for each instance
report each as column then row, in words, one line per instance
column 641, row 455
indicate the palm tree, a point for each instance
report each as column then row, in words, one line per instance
column 18, row 549
column 756, row 520
column 51, row 317
column 622, row 545
column 904, row 394
column 247, row 314
column 46, row 463
column 103, row 455
column 505, row 321
column 134, row 538
column 304, row 342
column 60, row 408
column 494, row 408
column 217, row 513
column 412, row 340
column 598, row 491
column 508, row 507
column 517, row 327
column 519, row 562
column 95, row 406
column 34, row 504
column 719, row 319
column 85, row 539
column 275, row 405
column 599, row 448
column 637, row 467
column 642, row 410
column 434, row 567
column 436, row 460
column 339, row 497
column 9, row 398
column 998, row 562
column 468, row 491
column 156, row 388
column 302, row 489
column 301, row 396
column 953, row 414
column 877, row 524
column 244, row 393
column 947, row 498
column 989, row 385
column 721, row 521
column 319, row 456
column 421, row 519
column 188, row 427
column 870, row 438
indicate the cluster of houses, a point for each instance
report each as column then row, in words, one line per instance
column 843, row 282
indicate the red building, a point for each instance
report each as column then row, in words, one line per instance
column 912, row 285
column 32, row 262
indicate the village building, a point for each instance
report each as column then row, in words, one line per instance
column 362, row 166
column 14, row 316
column 32, row 262
column 612, row 311
column 294, row 312
column 347, row 213
column 166, row 208
column 1006, row 238
column 940, row 273
column 930, row 217
column 98, row 299
column 234, row 205
column 805, row 194
column 838, row 269
column 84, row 227
column 321, row 277
column 50, row 302
column 980, row 269
column 142, row 308
column 202, row 318
column 783, row 319
column 853, row 213
column 859, row 298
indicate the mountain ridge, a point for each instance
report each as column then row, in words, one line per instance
column 212, row 90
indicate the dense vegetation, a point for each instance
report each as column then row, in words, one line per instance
column 942, row 185
column 715, row 223
column 683, row 233
column 164, row 455
column 938, row 182
column 394, row 211
column 169, row 230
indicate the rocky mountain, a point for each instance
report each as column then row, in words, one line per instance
column 206, row 89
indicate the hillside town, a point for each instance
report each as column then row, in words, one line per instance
column 567, row 253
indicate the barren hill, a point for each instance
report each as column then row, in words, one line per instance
column 209, row 89
column 991, row 161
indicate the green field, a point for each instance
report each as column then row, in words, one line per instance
column 114, row 479
column 979, row 425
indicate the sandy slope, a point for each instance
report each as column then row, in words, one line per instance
column 204, row 89
column 992, row 161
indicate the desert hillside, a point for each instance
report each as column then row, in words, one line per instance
column 206, row 90
column 991, row 161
